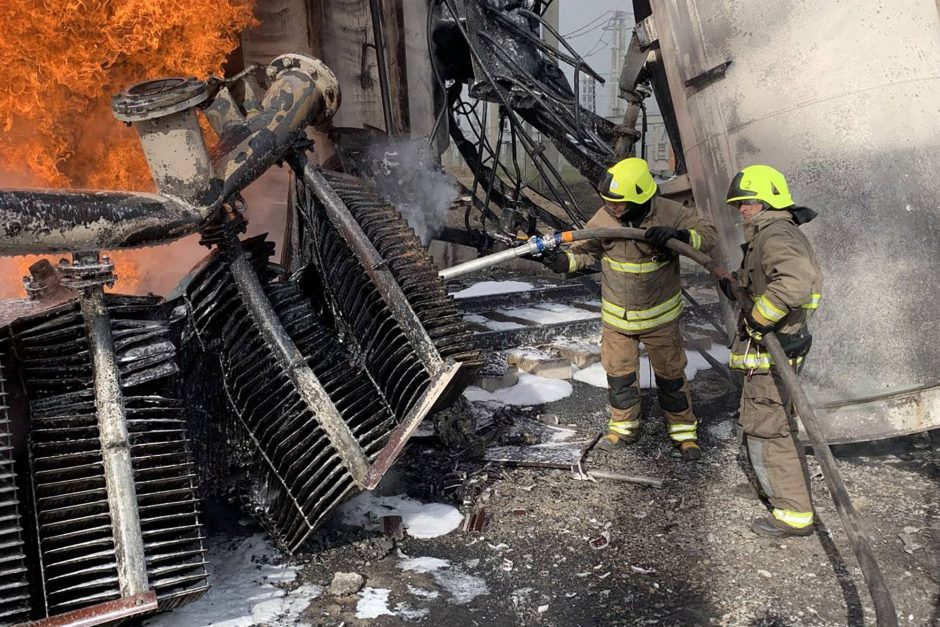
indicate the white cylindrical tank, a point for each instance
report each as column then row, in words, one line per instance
column 844, row 98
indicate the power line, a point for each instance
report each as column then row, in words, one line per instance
column 600, row 45
column 588, row 32
column 594, row 21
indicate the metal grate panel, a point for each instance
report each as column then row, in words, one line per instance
column 300, row 478
column 73, row 522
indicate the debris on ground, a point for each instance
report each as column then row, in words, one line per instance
column 344, row 584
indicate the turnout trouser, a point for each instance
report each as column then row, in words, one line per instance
column 769, row 447
column 620, row 356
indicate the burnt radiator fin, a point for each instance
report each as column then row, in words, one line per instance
column 72, row 516
column 165, row 477
column 382, row 343
column 14, row 587
column 300, row 476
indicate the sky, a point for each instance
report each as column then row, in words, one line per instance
column 594, row 40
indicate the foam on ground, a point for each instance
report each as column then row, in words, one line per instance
column 243, row 593
column 487, row 288
column 530, row 390
column 420, row 520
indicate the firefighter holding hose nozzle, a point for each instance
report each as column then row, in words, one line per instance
column 641, row 301
column 779, row 273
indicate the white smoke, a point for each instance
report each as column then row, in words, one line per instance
column 407, row 175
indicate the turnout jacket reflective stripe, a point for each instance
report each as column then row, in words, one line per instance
column 782, row 277
column 640, row 286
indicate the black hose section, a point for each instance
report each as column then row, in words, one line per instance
column 885, row 613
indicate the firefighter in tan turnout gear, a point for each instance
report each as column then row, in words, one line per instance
column 780, row 275
column 641, row 301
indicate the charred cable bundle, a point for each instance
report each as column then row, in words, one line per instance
column 494, row 47
column 75, row 536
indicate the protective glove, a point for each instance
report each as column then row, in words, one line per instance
column 796, row 344
column 555, row 260
column 725, row 286
column 756, row 324
column 659, row 235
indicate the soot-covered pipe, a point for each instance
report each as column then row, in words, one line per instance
column 192, row 183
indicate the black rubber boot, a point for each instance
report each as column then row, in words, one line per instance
column 690, row 451
column 616, row 441
column 770, row 527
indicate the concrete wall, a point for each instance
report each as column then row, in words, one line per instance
column 842, row 97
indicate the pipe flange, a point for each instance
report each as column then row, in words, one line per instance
column 83, row 273
column 319, row 71
column 158, row 98
column 226, row 227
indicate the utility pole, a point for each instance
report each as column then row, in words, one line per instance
column 588, row 94
column 618, row 48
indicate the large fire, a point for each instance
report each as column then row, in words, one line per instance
column 60, row 62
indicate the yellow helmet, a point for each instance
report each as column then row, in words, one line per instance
column 628, row 181
column 763, row 183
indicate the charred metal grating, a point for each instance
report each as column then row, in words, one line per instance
column 14, row 585
column 390, row 358
column 73, row 523
column 301, row 477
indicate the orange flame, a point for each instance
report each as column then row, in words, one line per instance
column 60, row 63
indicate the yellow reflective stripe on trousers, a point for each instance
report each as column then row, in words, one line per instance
column 794, row 519
column 683, row 432
column 636, row 268
column 768, row 309
column 624, row 427
column 756, row 361
column 813, row 302
column 644, row 319
column 695, row 240
column 572, row 264
column 642, row 314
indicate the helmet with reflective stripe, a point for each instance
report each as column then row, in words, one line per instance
column 761, row 183
column 628, row 181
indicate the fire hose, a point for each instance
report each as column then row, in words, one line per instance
column 885, row 613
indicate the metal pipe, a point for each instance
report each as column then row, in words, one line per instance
column 378, row 38
column 39, row 221
column 653, row 482
column 115, row 443
column 534, row 246
column 303, row 92
column 293, row 362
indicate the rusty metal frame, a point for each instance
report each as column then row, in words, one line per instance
column 403, row 432
column 101, row 614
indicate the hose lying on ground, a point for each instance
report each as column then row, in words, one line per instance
column 885, row 613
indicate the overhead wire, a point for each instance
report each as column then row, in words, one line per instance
column 599, row 46
column 575, row 32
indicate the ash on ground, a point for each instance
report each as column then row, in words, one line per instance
column 680, row 555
